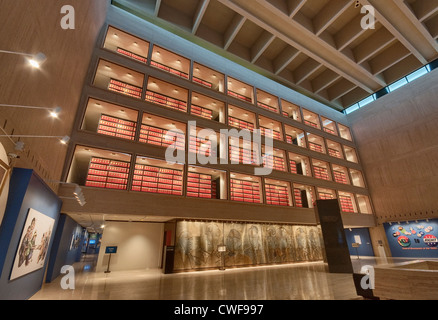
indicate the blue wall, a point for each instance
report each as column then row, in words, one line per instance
column 26, row 191
column 413, row 239
column 62, row 252
column 366, row 248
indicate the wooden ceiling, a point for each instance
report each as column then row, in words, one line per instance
column 316, row 47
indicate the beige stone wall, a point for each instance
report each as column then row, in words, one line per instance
column 398, row 146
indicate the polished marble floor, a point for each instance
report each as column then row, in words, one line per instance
column 301, row 281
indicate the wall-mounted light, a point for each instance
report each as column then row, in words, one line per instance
column 54, row 112
column 62, row 139
column 35, row 60
column 77, row 192
column 79, row 196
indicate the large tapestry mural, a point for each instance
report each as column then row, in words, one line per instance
column 246, row 244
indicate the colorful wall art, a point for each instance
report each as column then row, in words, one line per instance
column 247, row 244
column 34, row 242
column 416, row 239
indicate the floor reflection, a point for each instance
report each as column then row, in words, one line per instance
column 301, row 281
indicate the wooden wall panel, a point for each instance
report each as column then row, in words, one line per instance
column 31, row 27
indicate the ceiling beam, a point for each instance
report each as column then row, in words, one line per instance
column 304, row 21
column 388, row 58
column 423, row 9
column 325, row 79
column 233, row 29
column 261, row 45
column 305, row 70
column 294, row 6
column 327, row 15
column 407, row 65
column 339, row 89
column 414, row 20
column 288, row 7
column 354, row 96
column 388, row 13
column 157, row 8
column 432, row 25
column 350, row 32
column 284, row 59
column 379, row 40
column 293, row 33
column 202, row 7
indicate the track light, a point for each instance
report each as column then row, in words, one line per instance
column 35, row 60
column 77, row 192
column 19, row 146
column 63, row 139
column 80, row 197
column 54, row 112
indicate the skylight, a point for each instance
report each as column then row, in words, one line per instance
column 392, row 87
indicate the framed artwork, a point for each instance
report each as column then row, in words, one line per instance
column 34, row 243
column 75, row 238
column 4, row 171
